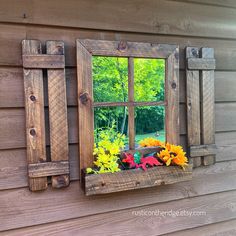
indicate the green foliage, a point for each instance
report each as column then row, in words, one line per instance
column 148, row 79
column 110, row 84
column 107, row 150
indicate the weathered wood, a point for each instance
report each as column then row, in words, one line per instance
column 226, row 228
column 14, row 173
column 203, row 150
column 208, row 106
column 205, row 210
column 120, row 104
column 12, row 89
column 220, row 3
column 172, row 97
column 127, row 49
column 201, row 63
column 85, row 111
column 34, row 112
column 193, row 105
column 12, row 34
column 220, row 177
column 134, row 179
column 58, row 113
column 148, row 18
column 43, row 61
column 131, row 114
column 14, row 136
column 48, row 169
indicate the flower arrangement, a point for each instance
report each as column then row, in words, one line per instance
column 108, row 158
column 107, row 151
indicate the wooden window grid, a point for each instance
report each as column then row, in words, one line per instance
column 85, row 50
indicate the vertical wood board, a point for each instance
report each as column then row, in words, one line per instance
column 85, row 106
column 193, row 104
column 131, row 121
column 208, row 106
column 172, row 98
column 34, row 109
column 59, row 148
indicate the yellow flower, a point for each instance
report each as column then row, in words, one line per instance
column 150, row 142
column 173, row 154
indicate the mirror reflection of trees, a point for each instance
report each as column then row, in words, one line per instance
column 110, row 84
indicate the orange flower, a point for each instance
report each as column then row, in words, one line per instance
column 150, row 142
column 173, row 154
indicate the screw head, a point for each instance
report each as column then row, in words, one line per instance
column 32, row 132
column 32, row 98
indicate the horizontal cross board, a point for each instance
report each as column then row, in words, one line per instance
column 44, row 61
column 203, row 150
column 201, row 64
column 48, row 169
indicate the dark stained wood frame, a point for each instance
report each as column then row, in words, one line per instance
column 87, row 48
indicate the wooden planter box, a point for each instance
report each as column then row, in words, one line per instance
column 134, row 179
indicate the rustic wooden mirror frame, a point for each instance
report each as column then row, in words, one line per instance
column 87, row 48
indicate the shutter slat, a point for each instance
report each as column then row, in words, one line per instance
column 38, row 166
column 200, row 105
column 34, row 109
column 193, row 105
column 58, row 113
column 208, row 106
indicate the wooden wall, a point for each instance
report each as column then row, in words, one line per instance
column 210, row 23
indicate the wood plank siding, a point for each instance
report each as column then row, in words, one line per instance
column 194, row 23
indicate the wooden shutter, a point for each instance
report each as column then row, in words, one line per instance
column 34, row 62
column 200, row 65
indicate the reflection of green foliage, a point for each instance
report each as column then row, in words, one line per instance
column 110, row 79
column 149, row 79
column 149, row 119
column 110, row 84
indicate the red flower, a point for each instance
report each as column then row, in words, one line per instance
column 150, row 161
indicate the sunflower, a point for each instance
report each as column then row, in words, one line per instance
column 173, row 154
column 150, row 142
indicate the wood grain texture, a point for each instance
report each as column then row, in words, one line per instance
column 172, row 98
column 34, row 114
column 85, row 110
column 126, row 222
column 13, row 167
column 150, row 17
column 220, row 3
column 12, row 129
column 208, row 106
column 12, row 124
column 193, row 105
column 203, row 150
column 39, row 208
column 226, row 228
column 12, row 34
column 49, row 169
column 44, row 61
column 225, row 84
column 58, row 113
column 127, row 49
column 12, row 88
column 135, row 179
column 201, row 64
column 122, row 104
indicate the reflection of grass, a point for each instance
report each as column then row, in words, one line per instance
column 139, row 137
